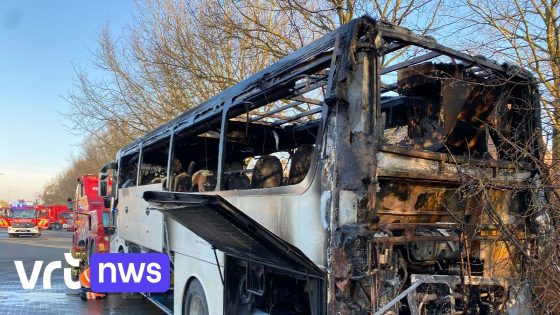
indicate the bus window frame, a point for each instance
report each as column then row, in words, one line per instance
column 298, row 188
column 171, row 149
column 121, row 155
column 139, row 167
column 294, row 189
column 227, row 108
column 155, row 141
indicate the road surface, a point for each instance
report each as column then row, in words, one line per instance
column 51, row 246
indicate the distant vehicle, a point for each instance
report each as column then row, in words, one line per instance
column 60, row 217
column 65, row 219
column 42, row 217
column 4, row 219
column 92, row 220
column 23, row 220
column 71, row 227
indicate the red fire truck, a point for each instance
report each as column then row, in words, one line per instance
column 92, row 220
column 23, row 220
column 43, row 219
column 4, row 220
column 60, row 217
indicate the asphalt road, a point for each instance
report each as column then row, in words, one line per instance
column 51, row 246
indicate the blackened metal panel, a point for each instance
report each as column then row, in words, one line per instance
column 231, row 231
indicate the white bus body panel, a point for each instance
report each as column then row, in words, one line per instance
column 187, row 268
column 117, row 243
column 134, row 223
column 194, row 258
column 296, row 218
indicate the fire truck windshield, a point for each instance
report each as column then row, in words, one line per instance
column 65, row 215
column 22, row 213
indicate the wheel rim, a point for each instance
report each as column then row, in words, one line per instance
column 197, row 306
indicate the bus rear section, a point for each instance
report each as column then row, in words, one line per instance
column 347, row 178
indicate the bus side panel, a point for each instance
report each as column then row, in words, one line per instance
column 183, row 241
column 207, row 273
column 297, row 218
column 136, row 222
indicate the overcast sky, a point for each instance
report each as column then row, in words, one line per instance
column 39, row 43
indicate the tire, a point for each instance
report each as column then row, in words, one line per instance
column 58, row 227
column 36, row 235
column 194, row 302
column 12, row 235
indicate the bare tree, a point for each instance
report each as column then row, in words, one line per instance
column 168, row 63
column 526, row 32
column 290, row 24
column 178, row 54
column 94, row 154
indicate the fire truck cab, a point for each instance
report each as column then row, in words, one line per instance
column 23, row 220
column 60, row 217
column 43, row 219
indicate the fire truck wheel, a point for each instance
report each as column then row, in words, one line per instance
column 57, row 226
column 195, row 299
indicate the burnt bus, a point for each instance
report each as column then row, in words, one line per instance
column 373, row 171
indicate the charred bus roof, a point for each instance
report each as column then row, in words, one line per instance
column 345, row 40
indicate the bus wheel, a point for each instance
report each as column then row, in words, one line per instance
column 195, row 300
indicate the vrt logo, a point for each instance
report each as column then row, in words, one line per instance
column 145, row 272
column 29, row 283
